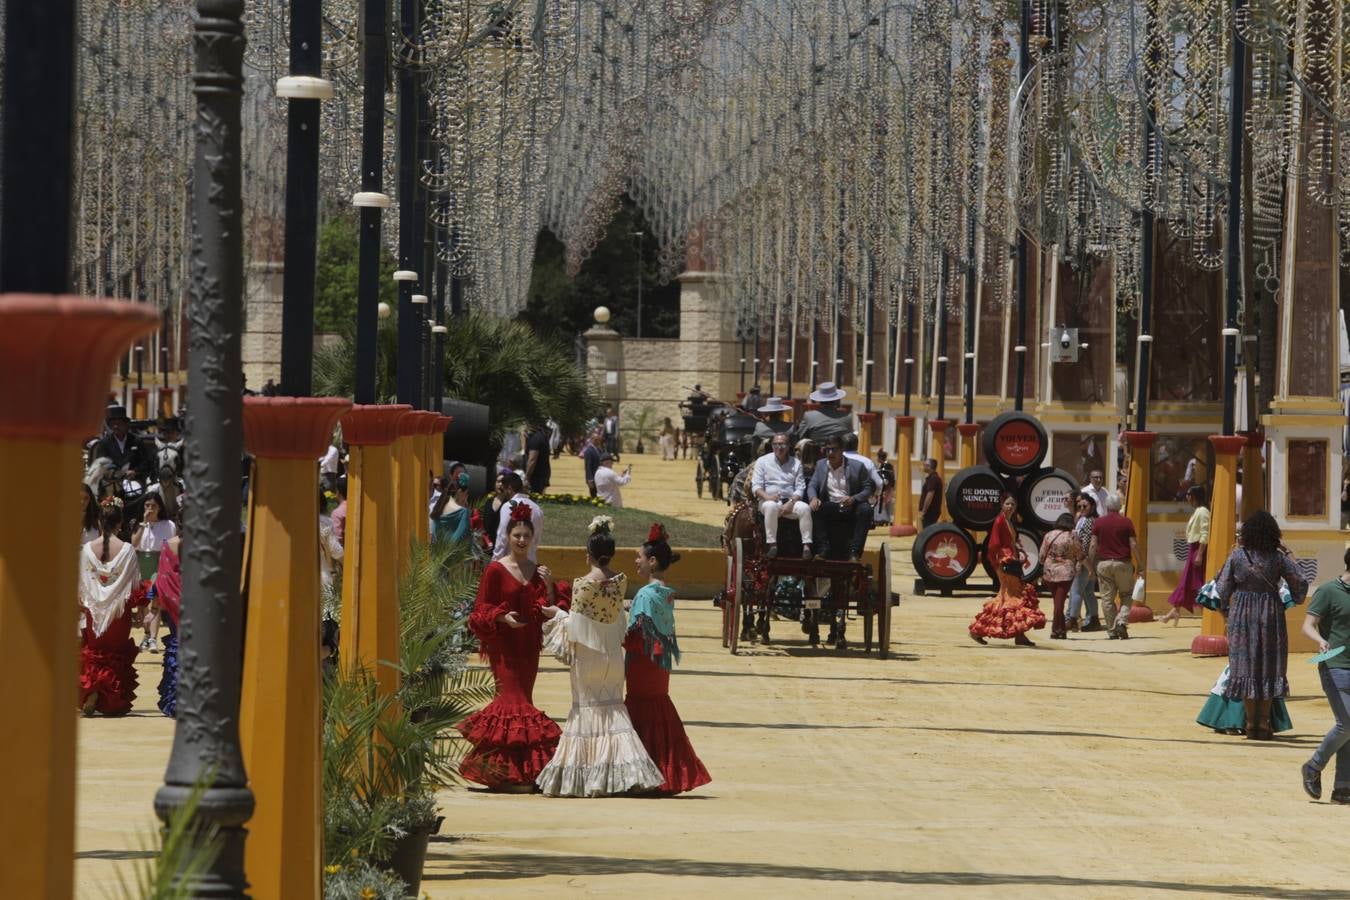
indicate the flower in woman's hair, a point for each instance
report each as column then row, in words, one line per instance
column 111, row 501
column 657, row 533
column 601, row 524
column 521, row 512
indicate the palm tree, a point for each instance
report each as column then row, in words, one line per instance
column 521, row 377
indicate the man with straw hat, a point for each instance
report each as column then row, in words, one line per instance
column 827, row 420
column 773, row 419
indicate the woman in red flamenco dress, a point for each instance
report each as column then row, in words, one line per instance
column 110, row 591
column 512, row 739
column 1014, row 610
column 652, row 650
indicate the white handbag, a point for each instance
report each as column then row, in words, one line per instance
column 1138, row 595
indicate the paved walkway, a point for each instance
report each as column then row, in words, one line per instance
column 1069, row 770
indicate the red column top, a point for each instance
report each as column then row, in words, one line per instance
column 291, row 427
column 1228, row 444
column 373, row 424
column 56, row 356
column 867, row 418
column 968, row 429
column 938, row 425
column 905, row 421
column 1139, row 440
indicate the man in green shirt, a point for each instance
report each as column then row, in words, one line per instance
column 1328, row 625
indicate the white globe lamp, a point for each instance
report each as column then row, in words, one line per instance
column 601, row 315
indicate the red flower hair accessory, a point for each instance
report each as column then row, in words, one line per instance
column 657, row 533
column 521, row 512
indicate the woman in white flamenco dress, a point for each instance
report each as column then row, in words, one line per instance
column 599, row 753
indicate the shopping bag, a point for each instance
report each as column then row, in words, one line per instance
column 1138, row 595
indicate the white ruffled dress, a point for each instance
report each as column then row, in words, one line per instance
column 599, row 753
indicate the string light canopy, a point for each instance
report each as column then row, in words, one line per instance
column 825, row 157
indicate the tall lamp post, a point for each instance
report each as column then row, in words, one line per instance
column 206, row 735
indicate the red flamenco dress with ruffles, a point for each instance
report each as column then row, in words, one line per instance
column 109, row 593
column 651, row 651
column 1014, row 610
column 512, row 739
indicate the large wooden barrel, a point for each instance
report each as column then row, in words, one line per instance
column 1015, row 443
column 973, row 497
column 1031, row 546
column 1045, row 496
column 944, row 555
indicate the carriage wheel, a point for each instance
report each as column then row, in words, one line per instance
column 715, row 482
column 698, row 478
column 728, row 592
column 884, row 600
column 738, row 573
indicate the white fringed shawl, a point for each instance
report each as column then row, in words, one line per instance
column 106, row 587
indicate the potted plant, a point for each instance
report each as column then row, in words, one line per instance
column 386, row 755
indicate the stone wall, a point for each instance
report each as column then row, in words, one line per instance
column 262, row 324
column 657, row 373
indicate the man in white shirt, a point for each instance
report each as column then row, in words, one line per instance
column 511, row 481
column 608, row 482
column 779, row 484
column 851, row 452
column 1097, row 491
column 328, row 466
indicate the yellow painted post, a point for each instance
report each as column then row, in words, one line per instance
column 280, row 715
column 370, row 557
column 56, row 356
column 165, row 402
column 968, row 433
column 865, row 432
column 938, row 427
column 1137, row 480
column 1213, row 639
column 140, row 403
column 1253, row 473
column 904, row 476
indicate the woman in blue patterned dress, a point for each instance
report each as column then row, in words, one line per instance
column 1248, row 585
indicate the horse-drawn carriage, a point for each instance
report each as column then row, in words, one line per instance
column 725, row 447
column 812, row 592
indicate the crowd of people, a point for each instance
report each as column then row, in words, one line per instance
column 623, row 734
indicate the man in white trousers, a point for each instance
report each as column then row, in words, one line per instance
column 779, row 485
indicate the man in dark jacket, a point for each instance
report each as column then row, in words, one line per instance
column 840, row 493
column 120, row 444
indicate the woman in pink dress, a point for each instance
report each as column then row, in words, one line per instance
column 1193, row 573
column 512, row 739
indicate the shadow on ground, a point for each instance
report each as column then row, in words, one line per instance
column 511, row 866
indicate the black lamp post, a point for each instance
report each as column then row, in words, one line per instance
column 206, row 734
column 371, row 200
column 1022, row 245
column 410, row 327
column 304, row 91
column 640, row 273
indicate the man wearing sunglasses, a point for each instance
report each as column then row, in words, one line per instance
column 840, row 492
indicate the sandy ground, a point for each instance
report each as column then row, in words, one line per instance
column 1074, row 769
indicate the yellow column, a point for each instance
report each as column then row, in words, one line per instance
column 904, row 475
column 140, row 403
column 865, row 432
column 56, row 356
column 280, row 715
column 1253, row 473
column 1137, row 480
column 1212, row 639
column 968, row 433
column 370, row 557
column 938, row 427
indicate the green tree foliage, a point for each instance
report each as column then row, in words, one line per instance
column 335, row 278
column 562, row 305
column 522, row 376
